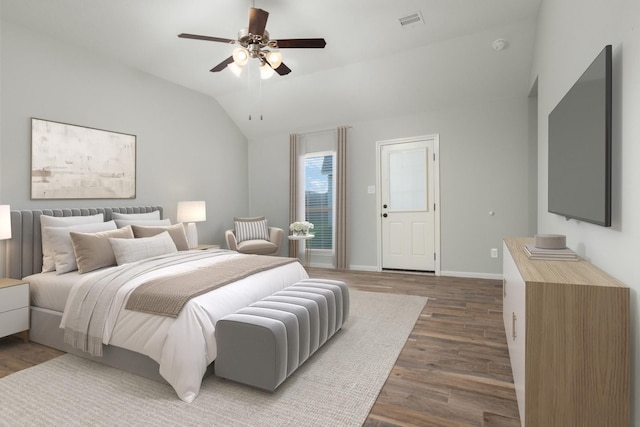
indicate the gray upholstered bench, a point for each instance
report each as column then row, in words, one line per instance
column 261, row 345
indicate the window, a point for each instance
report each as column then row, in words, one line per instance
column 319, row 189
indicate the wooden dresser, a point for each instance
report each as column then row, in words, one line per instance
column 567, row 326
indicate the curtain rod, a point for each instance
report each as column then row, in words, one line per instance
column 335, row 129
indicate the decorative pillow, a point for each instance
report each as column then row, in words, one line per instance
column 131, row 250
column 93, row 250
column 153, row 222
column 48, row 254
column 137, row 216
column 251, row 229
column 65, row 258
column 176, row 232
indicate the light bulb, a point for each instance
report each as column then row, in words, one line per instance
column 233, row 67
column 266, row 71
column 241, row 56
column 275, row 59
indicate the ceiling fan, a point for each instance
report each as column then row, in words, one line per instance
column 254, row 42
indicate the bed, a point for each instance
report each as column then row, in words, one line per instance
column 177, row 350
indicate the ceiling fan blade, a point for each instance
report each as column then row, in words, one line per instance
column 221, row 66
column 283, row 69
column 301, row 43
column 206, row 38
column 257, row 21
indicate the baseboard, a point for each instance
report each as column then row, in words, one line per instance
column 363, row 268
column 471, row 275
column 373, row 268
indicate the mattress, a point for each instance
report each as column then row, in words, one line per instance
column 50, row 290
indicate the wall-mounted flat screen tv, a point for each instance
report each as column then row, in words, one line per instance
column 580, row 147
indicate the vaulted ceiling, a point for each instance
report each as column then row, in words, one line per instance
column 371, row 67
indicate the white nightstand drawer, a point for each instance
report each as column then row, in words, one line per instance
column 13, row 297
column 14, row 321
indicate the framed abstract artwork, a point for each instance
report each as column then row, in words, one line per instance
column 76, row 162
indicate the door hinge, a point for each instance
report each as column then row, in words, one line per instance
column 434, row 157
column 434, row 206
column 434, row 256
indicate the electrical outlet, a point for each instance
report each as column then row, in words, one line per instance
column 494, row 252
column 371, row 189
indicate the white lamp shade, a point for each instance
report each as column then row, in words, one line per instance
column 275, row 59
column 5, row 222
column 193, row 211
column 240, row 56
column 235, row 69
column 266, row 71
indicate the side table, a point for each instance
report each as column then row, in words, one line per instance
column 304, row 237
column 14, row 308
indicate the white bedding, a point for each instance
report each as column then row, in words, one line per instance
column 50, row 290
column 182, row 346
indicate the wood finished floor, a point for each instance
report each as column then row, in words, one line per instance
column 454, row 369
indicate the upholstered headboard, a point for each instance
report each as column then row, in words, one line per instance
column 24, row 250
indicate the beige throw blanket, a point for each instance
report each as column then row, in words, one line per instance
column 167, row 295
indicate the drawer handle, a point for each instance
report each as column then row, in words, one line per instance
column 513, row 326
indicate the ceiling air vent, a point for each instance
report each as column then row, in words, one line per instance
column 411, row 20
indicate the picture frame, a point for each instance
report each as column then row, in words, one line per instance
column 77, row 162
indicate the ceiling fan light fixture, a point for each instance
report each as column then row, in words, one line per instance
column 240, row 56
column 275, row 59
column 266, row 71
column 235, row 69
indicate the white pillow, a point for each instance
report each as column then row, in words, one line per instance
column 59, row 238
column 152, row 222
column 136, row 216
column 131, row 250
column 48, row 254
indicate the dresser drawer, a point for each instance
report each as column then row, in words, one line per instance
column 13, row 297
column 14, row 321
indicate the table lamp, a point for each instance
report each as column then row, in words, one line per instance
column 5, row 222
column 190, row 213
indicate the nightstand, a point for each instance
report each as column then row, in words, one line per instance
column 204, row 247
column 14, row 308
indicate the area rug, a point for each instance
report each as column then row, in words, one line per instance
column 337, row 386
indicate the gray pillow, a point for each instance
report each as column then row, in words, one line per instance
column 136, row 216
column 94, row 251
column 176, row 232
column 124, row 222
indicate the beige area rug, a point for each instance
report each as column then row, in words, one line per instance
column 337, row 386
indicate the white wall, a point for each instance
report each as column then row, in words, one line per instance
column 187, row 146
column 483, row 167
column 570, row 35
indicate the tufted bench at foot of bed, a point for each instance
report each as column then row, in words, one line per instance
column 261, row 345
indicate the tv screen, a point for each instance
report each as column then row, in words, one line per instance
column 580, row 147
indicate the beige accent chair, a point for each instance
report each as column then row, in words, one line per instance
column 257, row 246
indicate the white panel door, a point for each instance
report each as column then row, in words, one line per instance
column 408, row 204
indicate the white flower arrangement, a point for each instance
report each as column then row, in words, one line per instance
column 301, row 227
